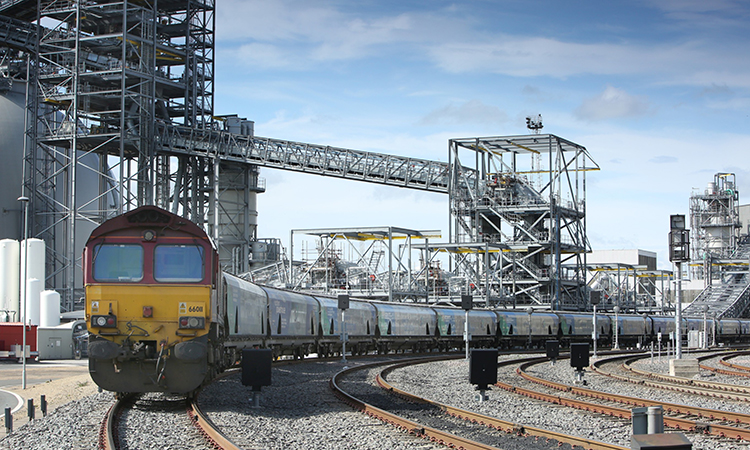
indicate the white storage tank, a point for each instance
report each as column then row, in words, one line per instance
column 49, row 309
column 12, row 108
column 9, row 279
column 37, row 258
column 35, row 267
column 34, row 291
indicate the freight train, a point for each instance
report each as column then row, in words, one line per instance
column 163, row 317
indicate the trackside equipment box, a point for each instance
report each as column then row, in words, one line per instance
column 579, row 355
column 483, row 368
column 256, row 367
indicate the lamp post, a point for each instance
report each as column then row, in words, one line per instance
column 705, row 327
column 713, row 328
column 530, row 311
column 617, row 342
column 679, row 252
column 25, row 289
column 343, row 300
column 467, row 303
column 594, row 298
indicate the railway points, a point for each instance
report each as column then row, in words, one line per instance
column 300, row 404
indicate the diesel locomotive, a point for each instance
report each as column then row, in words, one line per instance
column 163, row 317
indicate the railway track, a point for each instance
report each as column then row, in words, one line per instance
column 673, row 383
column 745, row 370
column 429, row 419
column 733, row 370
column 694, row 419
column 129, row 424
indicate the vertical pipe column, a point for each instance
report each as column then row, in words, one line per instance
column 215, row 201
column 390, row 264
column 678, row 313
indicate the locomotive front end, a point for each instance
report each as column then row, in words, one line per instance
column 149, row 278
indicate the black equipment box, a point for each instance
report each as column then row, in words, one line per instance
column 256, row 367
column 579, row 355
column 483, row 367
column 467, row 302
column 343, row 301
column 553, row 349
column 660, row 441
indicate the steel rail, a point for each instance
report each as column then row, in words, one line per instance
column 106, row 429
column 696, row 386
column 213, row 435
column 399, row 422
column 493, row 422
column 108, row 439
column 671, row 408
column 723, row 361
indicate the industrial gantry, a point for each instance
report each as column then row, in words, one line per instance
column 124, row 92
column 528, row 193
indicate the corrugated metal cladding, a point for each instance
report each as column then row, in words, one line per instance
column 11, row 149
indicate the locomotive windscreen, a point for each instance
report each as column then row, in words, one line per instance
column 118, row 262
column 175, row 263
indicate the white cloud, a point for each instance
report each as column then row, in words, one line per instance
column 295, row 33
column 663, row 159
column 264, row 56
column 472, row 111
column 612, row 103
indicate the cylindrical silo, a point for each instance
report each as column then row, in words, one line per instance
column 49, row 309
column 36, row 257
column 12, row 112
column 9, row 279
column 12, row 108
column 34, row 291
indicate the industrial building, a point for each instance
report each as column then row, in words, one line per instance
column 720, row 251
column 119, row 98
column 630, row 280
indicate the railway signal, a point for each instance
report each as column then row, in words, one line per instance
column 483, row 370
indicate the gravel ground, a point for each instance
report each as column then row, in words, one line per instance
column 299, row 412
column 74, row 408
column 447, row 382
column 142, row 426
column 74, row 425
column 563, row 373
column 362, row 385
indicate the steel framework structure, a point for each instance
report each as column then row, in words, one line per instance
column 715, row 223
column 123, row 90
column 528, row 193
column 383, row 268
column 103, row 74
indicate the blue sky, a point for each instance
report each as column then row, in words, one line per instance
column 657, row 91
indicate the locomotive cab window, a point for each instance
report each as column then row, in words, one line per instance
column 118, row 262
column 178, row 263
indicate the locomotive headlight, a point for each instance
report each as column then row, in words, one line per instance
column 192, row 322
column 108, row 321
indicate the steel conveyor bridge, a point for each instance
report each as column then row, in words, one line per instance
column 17, row 34
column 390, row 170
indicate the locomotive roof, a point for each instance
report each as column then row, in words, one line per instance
column 149, row 217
